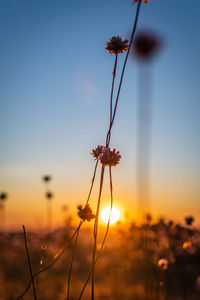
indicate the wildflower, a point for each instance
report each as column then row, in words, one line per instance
column 97, row 151
column 49, row 195
column 116, row 45
column 109, row 157
column 3, row 196
column 85, row 213
column 46, row 178
column 146, row 44
column 163, row 263
column 189, row 220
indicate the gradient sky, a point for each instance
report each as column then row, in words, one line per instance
column 55, row 80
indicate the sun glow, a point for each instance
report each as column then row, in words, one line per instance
column 115, row 215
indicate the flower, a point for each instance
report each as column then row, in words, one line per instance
column 97, row 151
column 3, row 196
column 85, row 213
column 49, row 195
column 146, row 44
column 46, row 178
column 189, row 220
column 116, row 45
column 163, row 263
column 109, row 157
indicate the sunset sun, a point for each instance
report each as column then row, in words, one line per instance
column 115, row 215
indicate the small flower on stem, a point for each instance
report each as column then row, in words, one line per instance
column 189, row 220
column 85, row 213
column 3, row 196
column 109, row 157
column 97, row 151
column 49, row 195
column 116, row 45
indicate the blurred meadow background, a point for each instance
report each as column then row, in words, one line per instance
column 55, row 80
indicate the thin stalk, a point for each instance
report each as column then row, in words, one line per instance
column 105, row 236
column 122, row 75
column 92, row 182
column 29, row 263
column 71, row 264
column 57, row 256
column 112, row 88
column 96, row 229
column 61, row 252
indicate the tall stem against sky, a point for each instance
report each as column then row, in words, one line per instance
column 122, row 74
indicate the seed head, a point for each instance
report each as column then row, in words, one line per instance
column 146, row 45
column 49, row 195
column 189, row 220
column 85, row 213
column 116, row 45
column 3, row 196
column 109, row 157
column 97, row 151
column 46, row 178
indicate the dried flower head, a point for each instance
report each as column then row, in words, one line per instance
column 3, row 196
column 189, row 220
column 46, row 178
column 97, row 151
column 116, row 45
column 49, row 195
column 146, row 45
column 109, row 157
column 85, row 213
column 163, row 263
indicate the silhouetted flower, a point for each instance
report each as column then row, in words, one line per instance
column 109, row 157
column 97, row 151
column 146, row 44
column 49, row 195
column 189, row 220
column 116, row 45
column 3, row 196
column 85, row 213
column 46, row 178
column 163, row 263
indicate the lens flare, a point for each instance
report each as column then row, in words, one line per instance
column 115, row 215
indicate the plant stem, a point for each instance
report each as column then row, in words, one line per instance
column 29, row 263
column 71, row 264
column 96, row 229
column 105, row 236
column 122, row 75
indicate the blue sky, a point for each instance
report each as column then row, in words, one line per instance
column 55, row 80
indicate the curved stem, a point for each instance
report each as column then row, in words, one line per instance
column 60, row 253
column 105, row 236
column 29, row 263
column 112, row 88
column 122, row 75
column 96, row 228
column 57, row 256
column 72, row 260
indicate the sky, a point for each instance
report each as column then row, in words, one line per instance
column 55, row 80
